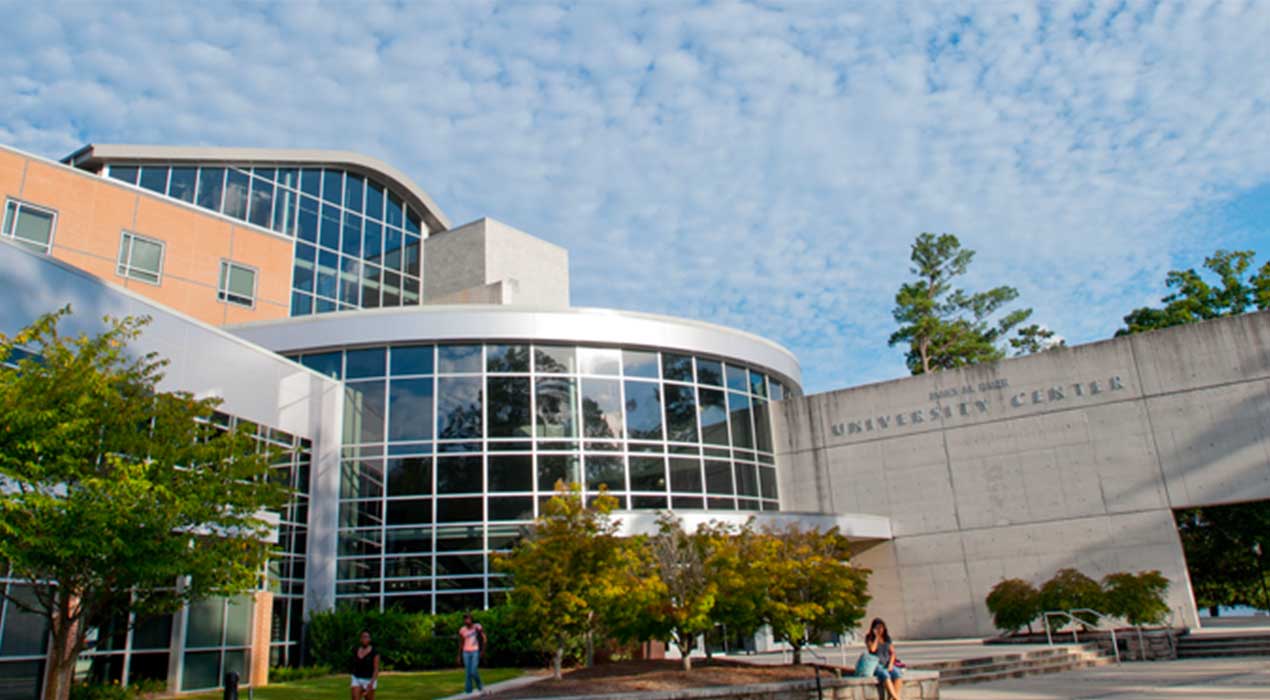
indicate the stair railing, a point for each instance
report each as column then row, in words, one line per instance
column 1101, row 618
column 1076, row 622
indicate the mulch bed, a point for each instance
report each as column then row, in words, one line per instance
column 657, row 674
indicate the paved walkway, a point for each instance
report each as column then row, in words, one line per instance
column 1246, row 678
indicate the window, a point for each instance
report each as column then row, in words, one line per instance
column 237, row 284
column 29, row 226
column 140, row 258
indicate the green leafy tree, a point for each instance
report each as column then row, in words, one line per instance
column 741, row 592
column 1220, row 544
column 945, row 327
column 1138, row 598
column 1014, row 603
column 118, row 491
column 1194, row 298
column 811, row 586
column 565, row 570
column 1035, row 338
column 1069, row 589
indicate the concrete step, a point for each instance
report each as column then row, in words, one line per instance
column 1057, row 667
column 1212, row 645
column 1016, row 665
column 1036, row 662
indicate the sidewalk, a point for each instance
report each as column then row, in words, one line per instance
column 509, row 684
column 1241, row 678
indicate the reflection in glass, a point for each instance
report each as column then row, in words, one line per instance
column 507, row 358
column 364, row 412
column 742, row 432
column 410, row 539
column 459, row 510
column 643, row 411
column 374, row 200
column 210, row 186
column 181, row 183
column 599, row 361
column 604, row 471
column 411, row 359
column 515, row 508
column 762, row 426
column 410, row 408
column 307, row 221
column 236, row 194
column 553, row 359
column 369, row 362
column 261, row 203
column 557, row 468
column 458, row 407
column 714, row 416
column 681, row 413
column 410, row 511
column 329, row 228
column 709, row 372
column 459, row 474
column 676, row 367
column 555, row 397
column 601, row 408
column 746, row 479
column 639, row 363
column 509, row 407
column 718, row 477
column 333, row 186
column 685, row 475
column 648, row 474
column 453, row 359
column 511, row 473
column 409, row 476
column 154, row 178
column 767, row 482
column 351, row 243
column 737, row 379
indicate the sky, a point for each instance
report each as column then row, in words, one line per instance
column 757, row 164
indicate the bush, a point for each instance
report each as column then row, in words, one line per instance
column 1138, row 598
column 1068, row 590
column 115, row 691
column 417, row 641
column 1013, row 604
column 286, row 674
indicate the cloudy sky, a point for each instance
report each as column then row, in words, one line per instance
column 758, row 165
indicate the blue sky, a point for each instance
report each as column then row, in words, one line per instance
column 758, row 165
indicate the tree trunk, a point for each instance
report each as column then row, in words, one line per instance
column 557, row 660
column 590, row 649
column 798, row 654
column 924, row 346
column 685, row 650
column 64, row 648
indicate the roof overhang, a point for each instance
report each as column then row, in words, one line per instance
column 103, row 153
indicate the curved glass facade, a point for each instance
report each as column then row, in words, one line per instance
column 450, row 449
column 357, row 243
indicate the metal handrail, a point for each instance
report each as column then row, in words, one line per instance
column 1070, row 615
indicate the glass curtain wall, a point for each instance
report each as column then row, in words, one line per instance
column 357, row 243
column 450, row 450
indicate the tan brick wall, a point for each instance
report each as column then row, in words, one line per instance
column 92, row 213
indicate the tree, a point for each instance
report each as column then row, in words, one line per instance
column 687, row 568
column 742, row 592
column 1035, row 338
column 1219, row 543
column 119, row 496
column 945, row 327
column 1195, row 299
column 563, row 571
column 1071, row 590
column 811, row 586
column 1138, row 598
column 1014, row 603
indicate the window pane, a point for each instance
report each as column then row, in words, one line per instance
column 392, row 249
column 327, row 363
column 370, row 286
column 599, row 361
column 329, row 234
column 393, row 214
column 181, row 183
column 369, row 362
column 746, row 479
column 333, row 186
column 126, row 173
column 605, row 471
column 373, row 242
column 459, row 408
column 409, row 511
column 284, row 212
column 311, row 181
column 681, row 413
column 307, row 222
column 459, row 475
column 709, row 372
column 648, row 474
column 511, row 473
column 242, row 281
column 742, row 432
column 204, row 623
column 327, row 281
column 714, row 416
column 10, row 211
column 643, row 411
column 353, row 192
column 511, row 508
column 639, row 364
column 509, row 407
column 412, row 359
column 767, row 482
column 146, row 255
column 507, row 358
column 350, row 279
column 453, row 359
column 201, row 670
column 236, row 194
column 685, row 475
column 364, row 411
column 351, row 244
column 553, row 359
column 24, row 632
column 762, row 426
column 34, row 226
column 408, row 540
column 601, row 408
column 374, row 201
column 553, row 468
column 718, row 477
column 261, row 202
column 410, row 409
column 210, row 186
column 460, row 510
column 737, row 379
column 556, row 398
column 155, row 178
column 758, row 383
column 413, row 221
column 409, row 476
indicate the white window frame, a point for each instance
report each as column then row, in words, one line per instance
column 123, row 267
column 20, row 205
column 222, row 283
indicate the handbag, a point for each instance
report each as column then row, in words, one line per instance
column 866, row 665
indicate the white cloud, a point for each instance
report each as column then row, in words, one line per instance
column 760, row 166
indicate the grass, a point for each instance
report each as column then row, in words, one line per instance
column 416, row 685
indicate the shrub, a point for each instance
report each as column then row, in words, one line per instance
column 1013, row 604
column 286, row 674
column 1138, row 598
column 1068, row 590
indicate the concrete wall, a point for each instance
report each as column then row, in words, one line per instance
column 1073, row 457
column 470, row 260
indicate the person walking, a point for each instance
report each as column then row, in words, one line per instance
column 878, row 642
column 365, row 669
column 471, row 644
